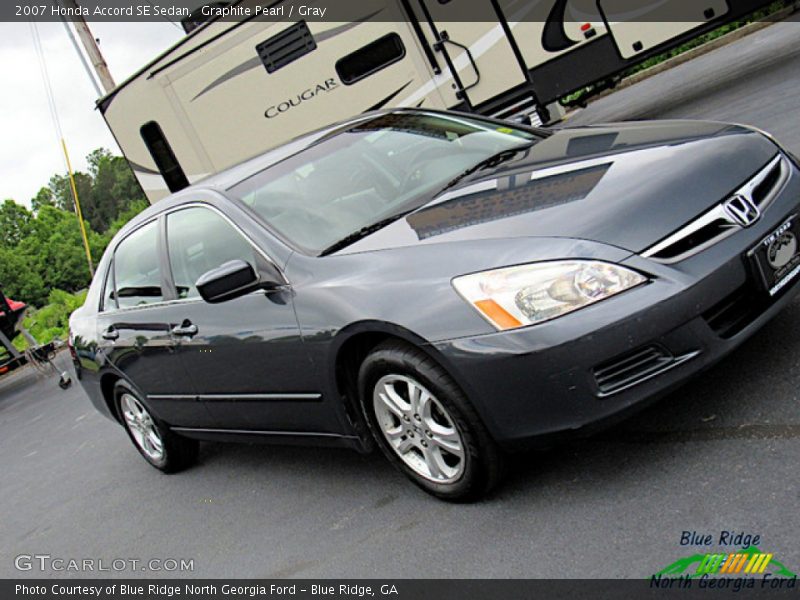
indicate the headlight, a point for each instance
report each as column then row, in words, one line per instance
column 529, row 294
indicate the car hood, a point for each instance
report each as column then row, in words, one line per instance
column 627, row 185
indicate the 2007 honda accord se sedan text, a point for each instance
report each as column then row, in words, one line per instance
column 446, row 287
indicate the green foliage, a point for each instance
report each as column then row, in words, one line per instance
column 44, row 197
column 108, row 190
column 52, row 321
column 134, row 209
column 42, row 250
column 61, row 189
column 54, row 249
column 15, row 222
column 19, row 279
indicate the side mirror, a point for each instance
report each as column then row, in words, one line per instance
column 228, row 281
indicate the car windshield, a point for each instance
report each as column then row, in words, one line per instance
column 360, row 179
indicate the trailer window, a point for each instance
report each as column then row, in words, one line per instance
column 163, row 156
column 370, row 59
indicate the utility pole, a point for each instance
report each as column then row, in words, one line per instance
column 86, row 66
column 89, row 44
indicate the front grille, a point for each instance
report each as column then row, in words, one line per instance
column 286, row 46
column 715, row 225
column 764, row 190
column 632, row 368
column 735, row 312
column 691, row 242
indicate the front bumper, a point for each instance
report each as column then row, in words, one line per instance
column 578, row 371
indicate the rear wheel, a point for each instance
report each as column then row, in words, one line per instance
column 424, row 424
column 159, row 446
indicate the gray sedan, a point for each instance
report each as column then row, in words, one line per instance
column 446, row 287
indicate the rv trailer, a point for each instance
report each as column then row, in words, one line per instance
column 232, row 89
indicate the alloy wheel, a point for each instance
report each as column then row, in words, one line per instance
column 418, row 428
column 142, row 427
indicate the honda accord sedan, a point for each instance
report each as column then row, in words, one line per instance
column 446, row 287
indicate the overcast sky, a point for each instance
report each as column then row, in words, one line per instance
column 30, row 151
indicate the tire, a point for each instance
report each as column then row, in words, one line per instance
column 430, row 432
column 158, row 445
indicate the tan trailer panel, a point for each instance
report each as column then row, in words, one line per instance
column 530, row 19
column 236, row 109
column 637, row 29
column 495, row 68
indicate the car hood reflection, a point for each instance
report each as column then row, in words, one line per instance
column 583, row 183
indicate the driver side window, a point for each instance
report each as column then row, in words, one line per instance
column 198, row 240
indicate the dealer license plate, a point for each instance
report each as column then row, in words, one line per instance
column 777, row 257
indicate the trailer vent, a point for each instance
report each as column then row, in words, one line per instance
column 287, row 46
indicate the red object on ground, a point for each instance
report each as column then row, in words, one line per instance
column 10, row 315
column 14, row 306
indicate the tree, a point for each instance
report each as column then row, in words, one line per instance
column 42, row 250
column 61, row 187
column 44, row 197
column 114, row 188
column 15, row 222
column 55, row 249
column 20, row 279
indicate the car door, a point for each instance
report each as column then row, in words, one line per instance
column 245, row 356
column 135, row 324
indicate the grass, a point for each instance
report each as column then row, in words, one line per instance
column 51, row 322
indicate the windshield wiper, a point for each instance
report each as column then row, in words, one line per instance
column 491, row 162
column 362, row 233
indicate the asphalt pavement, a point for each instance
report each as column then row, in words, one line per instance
column 719, row 455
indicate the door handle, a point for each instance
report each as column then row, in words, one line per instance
column 187, row 328
column 111, row 334
column 444, row 38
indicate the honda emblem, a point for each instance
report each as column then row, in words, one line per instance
column 741, row 210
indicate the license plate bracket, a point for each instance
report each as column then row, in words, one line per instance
column 776, row 258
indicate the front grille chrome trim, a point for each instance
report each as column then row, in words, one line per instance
column 719, row 216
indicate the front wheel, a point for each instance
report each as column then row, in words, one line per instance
column 159, row 446
column 424, row 424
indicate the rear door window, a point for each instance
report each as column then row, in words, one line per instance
column 136, row 271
